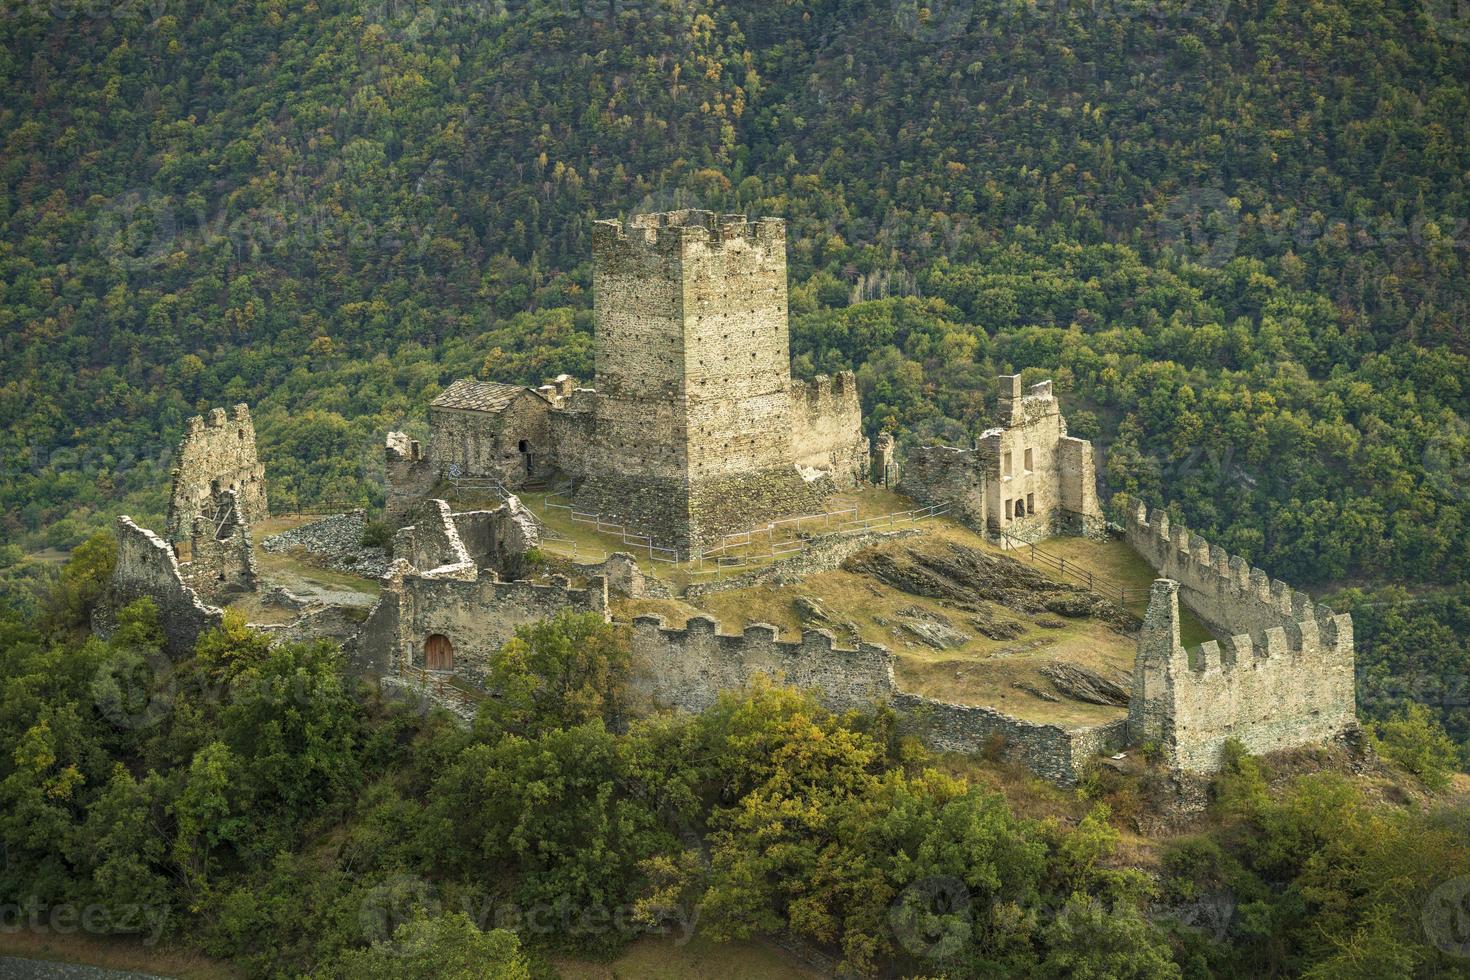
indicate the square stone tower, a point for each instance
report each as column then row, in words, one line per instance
column 693, row 411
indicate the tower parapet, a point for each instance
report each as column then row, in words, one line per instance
column 1290, row 685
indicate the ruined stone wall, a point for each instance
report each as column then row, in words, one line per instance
column 1081, row 512
column 885, row 462
column 688, row 668
column 1291, row 686
column 477, row 616
column 1224, row 591
column 944, row 475
column 827, row 428
column 1050, row 751
column 498, row 539
column 217, row 453
column 822, row 554
column 221, row 556
column 431, row 546
column 1026, row 477
column 410, row 478
column 1024, row 489
column 147, row 566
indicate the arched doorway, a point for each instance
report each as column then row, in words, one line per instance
column 438, row 652
column 527, row 459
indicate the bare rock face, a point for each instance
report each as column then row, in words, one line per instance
column 971, row 579
column 931, row 628
column 811, row 610
column 1035, row 691
column 1083, row 684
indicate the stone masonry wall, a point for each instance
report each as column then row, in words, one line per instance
column 1026, row 477
column 939, row 475
column 410, row 478
column 221, row 556
column 693, row 435
column 432, row 546
column 687, row 669
column 1292, row 686
column 147, row 566
column 1227, row 594
column 827, row 428
column 1050, row 751
column 1023, row 487
column 488, row 443
column 477, row 617
column 217, row 453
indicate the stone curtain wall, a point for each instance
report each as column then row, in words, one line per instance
column 216, row 454
column 827, row 428
column 1050, row 751
column 1227, row 594
column 1291, row 686
column 939, row 475
column 478, row 617
column 688, row 668
column 147, row 566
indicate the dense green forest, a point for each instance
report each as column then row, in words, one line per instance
column 250, row 801
column 1236, row 233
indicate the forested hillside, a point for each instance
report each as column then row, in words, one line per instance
column 1236, row 233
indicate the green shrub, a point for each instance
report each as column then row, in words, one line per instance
column 1413, row 739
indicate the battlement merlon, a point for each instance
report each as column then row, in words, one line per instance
column 1284, row 687
column 676, row 231
column 813, row 642
column 842, row 385
column 1230, row 595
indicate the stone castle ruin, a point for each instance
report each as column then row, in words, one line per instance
column 1281, row 676
column 1025, row 479
column 216, row 456
column 695, row 428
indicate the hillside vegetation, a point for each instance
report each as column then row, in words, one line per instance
column 1236, row 234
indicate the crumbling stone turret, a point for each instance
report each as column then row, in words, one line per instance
column 216, row 454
